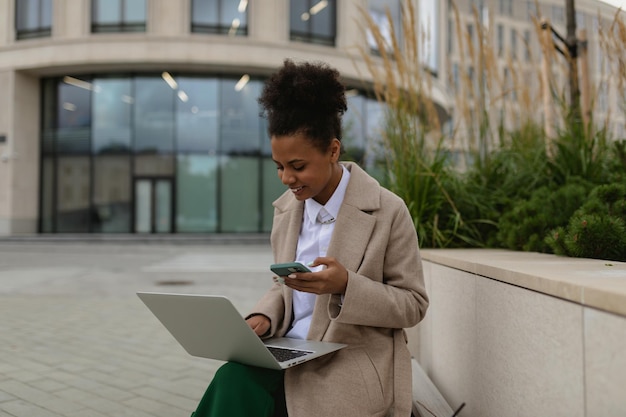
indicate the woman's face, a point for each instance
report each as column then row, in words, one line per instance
column 307, row 171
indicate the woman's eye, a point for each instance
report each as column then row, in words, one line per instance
column 279, row 168
column 299, row 168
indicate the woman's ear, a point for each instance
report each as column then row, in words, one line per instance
column 335, row 150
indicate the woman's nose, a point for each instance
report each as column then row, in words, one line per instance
column 287, row 177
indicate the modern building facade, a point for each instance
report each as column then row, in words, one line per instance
column 141, row 116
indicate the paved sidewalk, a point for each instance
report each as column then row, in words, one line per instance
column 76, row 341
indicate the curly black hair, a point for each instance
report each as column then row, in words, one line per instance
column 306, row 98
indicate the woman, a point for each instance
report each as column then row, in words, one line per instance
column 366, row 283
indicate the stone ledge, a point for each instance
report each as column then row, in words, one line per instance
column 592, row 283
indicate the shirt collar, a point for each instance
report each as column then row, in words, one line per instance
column 332, row 206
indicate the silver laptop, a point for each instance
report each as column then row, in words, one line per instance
column 210, row 326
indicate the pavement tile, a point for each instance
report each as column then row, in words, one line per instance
column 154, row 407
column 5, row 396
column 48, row 385
column 82, row 344
column 22, row 408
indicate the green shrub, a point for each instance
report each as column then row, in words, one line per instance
column 597, row 229
column 526, row 225
column 577, row 155
column 494, row 184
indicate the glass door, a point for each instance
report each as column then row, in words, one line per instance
column 153, row 205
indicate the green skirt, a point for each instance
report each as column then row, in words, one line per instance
column 247, row 391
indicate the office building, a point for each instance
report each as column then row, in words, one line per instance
column 141, row 116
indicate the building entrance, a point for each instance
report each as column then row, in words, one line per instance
column 153, row 205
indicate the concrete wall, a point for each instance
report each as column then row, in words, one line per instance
column 24, row 157
column 5, row 173
column 507, row 350
column 19, row 155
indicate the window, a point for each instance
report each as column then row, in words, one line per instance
column 73, row 178
column 73, row 121
column 111, row 200
column 377, row 10
column 118, row 16
column 313, row 21
column 532, row 10
column 239, row 121
column 455, row 76
column 111, row 107
column 514, row 43
column 580, row 20
column 450, row 36
column 558, row 14
column 470, row 33
column 33, row 18
column 603, row 97
column 197, row 115
column 239, row 206
column 227, row 17
column 506, row 7
column 500, row 40
column 429, row 49
column 473, row 5
column 527, row 45
column 154, row 113
column 197, row 193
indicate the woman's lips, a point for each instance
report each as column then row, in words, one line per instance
column 297, row 190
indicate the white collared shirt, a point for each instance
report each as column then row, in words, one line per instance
column 318, row 223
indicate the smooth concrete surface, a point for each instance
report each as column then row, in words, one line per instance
column 76, row 340
column 453, row 351
column 505, row 348
column 529, row 354
column 605, row 370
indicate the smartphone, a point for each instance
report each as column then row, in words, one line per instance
column 282, row 270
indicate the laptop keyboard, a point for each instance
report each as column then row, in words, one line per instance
column 284, row 354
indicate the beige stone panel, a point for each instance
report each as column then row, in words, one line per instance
column 136, row 52
column 605, row 363
column 71, row 18
column 529, row 354
column 7, row 22
column 166, row 17
column 453, row 334
column 24, row 163
column 268, row 21
column 350, row 26
column 6, row 111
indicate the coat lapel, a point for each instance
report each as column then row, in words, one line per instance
column 354, row 226
column 287, row 224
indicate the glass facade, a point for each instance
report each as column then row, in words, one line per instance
column 167, row 153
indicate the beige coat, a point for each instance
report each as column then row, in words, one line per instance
column 374, row 238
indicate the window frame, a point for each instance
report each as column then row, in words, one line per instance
column 221, row 28
column 42, row 29
column 122, row 25
column 309, row 36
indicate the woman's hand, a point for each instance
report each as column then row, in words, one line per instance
column 331, row 280
column 259, row 323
